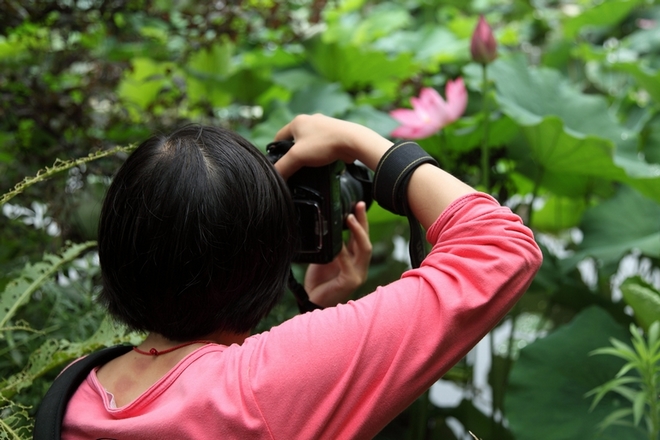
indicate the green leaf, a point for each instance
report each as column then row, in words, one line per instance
column 558, row 118
column 638, row 407
column 245, row 86
column 615, row 418
column 607, row 13
column 639, row 344
column 559, row 213
column 382, row 20
column 18, row 291
column 616, row 385
column 55, row 354
column 430, row 44
column 358, row 67
column 378, row 215
column 644, row 41
column 654, row 331
column 212, row 62
column 530, row 94
column 626, row 368
column 320, row 98
column 643, row 299
column 649, row 80
column 380, row 122
column 556, row 372
column 467, row 133
column 556, row 150
column 142, row 84
column 205, row 72
column 613, row 228
column 295, row 79
column 619, row 349
column 651, row 141
column 264, row 133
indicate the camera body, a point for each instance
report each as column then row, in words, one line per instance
column 323, row 197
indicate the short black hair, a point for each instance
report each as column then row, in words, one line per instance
column 197, row 234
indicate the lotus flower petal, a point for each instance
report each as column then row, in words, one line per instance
column 456, row 98
column 430, row 112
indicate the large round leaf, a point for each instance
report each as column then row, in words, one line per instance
column 626, row 221
column 324, row 98
column 547, row 386
column 569, row 132
column 358, row 67
column 528, row 95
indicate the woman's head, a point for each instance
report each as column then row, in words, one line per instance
column 196, row 235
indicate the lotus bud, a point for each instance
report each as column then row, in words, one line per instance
column 483, row 46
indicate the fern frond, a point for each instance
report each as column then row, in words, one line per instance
column 32, row 276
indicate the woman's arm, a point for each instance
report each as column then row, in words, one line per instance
column 320, row 140
column 346, row 371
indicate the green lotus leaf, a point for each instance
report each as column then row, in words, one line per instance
column 605, row 14
column 614, row 227
column 547, row 385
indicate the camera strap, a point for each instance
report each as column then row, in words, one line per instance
column 299, row 292
column 390, row 189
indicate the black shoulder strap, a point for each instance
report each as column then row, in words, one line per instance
column 48, row 421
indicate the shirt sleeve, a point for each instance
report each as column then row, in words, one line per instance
column 346, row 371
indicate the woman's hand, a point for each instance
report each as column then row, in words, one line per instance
column 330, row 284
column 320, row 140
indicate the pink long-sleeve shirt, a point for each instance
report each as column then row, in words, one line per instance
column 343, row 372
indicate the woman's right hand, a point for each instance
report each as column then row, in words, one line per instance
column 320, row 140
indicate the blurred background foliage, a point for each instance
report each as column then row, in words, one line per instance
column 574, row 147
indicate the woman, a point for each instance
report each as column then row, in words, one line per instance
column 196, row 240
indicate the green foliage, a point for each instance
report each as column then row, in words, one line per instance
column 552, row 375
column 572, row 136
column 644, row 299
column 32, row 277
column 638, row 381
column 54, row 354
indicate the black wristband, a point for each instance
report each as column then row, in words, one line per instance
column 393, row 173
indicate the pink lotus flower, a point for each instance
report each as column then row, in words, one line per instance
column 430, row 112
column 483, row 46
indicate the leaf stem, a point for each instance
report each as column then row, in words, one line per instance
column 535, row 194
column 7, row 430
column 485, row 153
column 59, row 166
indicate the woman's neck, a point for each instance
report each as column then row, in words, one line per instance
column 160, row 342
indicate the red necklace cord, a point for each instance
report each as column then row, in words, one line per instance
column 154, row 352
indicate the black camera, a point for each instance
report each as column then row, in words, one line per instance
column 323, row 198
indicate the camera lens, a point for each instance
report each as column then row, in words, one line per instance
column 350, row 193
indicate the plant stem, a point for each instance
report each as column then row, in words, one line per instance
column 485, row 153
column 442, row 149
column 652, row 393
column 494, row 400
column 419, row 417
column 59, row 166
column 535, row 193
column 7, row 430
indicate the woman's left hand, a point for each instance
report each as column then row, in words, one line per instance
column 330, row 284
